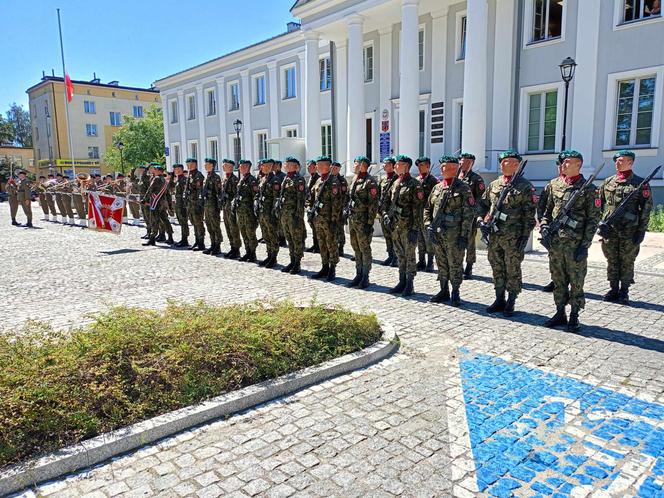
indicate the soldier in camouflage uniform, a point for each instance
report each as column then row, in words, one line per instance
column 211, row 195
column 403, row 219
column 341, row 233
column 155, row 200
column 384, row 205
column 313, row 178
column 134, row 207
column 181, row 204
column 541, row 206
column 289, row 209
column 142, row 187
column 448, row 230
column 362, row 209
column 268, row 191
column 568, row 255
column 121, row 191
column 424, row 246
column 277, row 170
column 621, row 243
column 243, row 210
column 516, row 222
column 228, row 191
column 195, row 203
column 325, row 214
column 477, row 187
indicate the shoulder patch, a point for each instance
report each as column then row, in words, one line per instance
column 471, row 201
column 343, row 187
column 420, row 194
column 481, row 186
column 277, row 187
column 254, row 187
column 646, row 191
column 300, row 187
column 598, row 202
column 335, row 189
column 373, row 191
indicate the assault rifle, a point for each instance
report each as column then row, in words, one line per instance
column 312, row 212
column 437, row 227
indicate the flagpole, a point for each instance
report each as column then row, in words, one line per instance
column 64, row 80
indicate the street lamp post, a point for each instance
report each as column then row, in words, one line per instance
column 48, row 142
column 567, row 68
column 120, row 146
column 237, row 126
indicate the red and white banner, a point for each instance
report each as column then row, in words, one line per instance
column 105, row 212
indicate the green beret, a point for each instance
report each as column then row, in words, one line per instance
column 178, row 165
column 310, row 162
column 22, row 172
column 448, row 158
column 624, row 153
column 229, row 161
column 140, row 166
column 324, row 158
column 156, row 166
column 210, row 160
column 390, row 160
column 404, row 159
column 245, row 161
column 191, row 160
column 269, row 160
column 362, row 159
column 423, row 159
column 574, row 154
column 467, row 155
column 511, row 153
column 292, row 159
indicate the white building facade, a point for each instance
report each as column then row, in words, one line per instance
column 427, row 77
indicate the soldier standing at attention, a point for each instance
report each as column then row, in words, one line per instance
column 428, row 182
column 243, row 210
column 448, row 228
column 313, row 178
column 621, row 243
column 477, row 187
column 12, row 190
column 541, row 206
column 404, row 218
column 515, row 223
column 24, row 196
column 196, row 203
column 268, row 190
column 341, row 233
column 121, row 191
column 41, row 187
column 142, row 186
column 290, row 211
column 156, row 202
column 57, row 192
column 384, row 205
column 50, row 197
column 228, row 192
column 211, row 193
column 78, row 197
column 568, row 256
column 277, row 170
column 326, row 211
column 363, row 208
column 181, row 204
column 134, row 207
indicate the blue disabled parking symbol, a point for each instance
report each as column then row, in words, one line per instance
column 535, row 433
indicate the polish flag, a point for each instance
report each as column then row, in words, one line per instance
column 69, row 88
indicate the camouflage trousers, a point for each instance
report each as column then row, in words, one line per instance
column 270, row 232
column 232, row 230
column 424, row 245
column 134, row 208
column 196, row 219
column 361, row 243
column 181, row 214
column 567, row 274
column 50, row 200
column 449, row 258
column 387, row 234
column 328, row 240
column 405, row 251
column 314, row 234
column 79, row 206
column 213, row 224
column 145, row 210
column 246, row 222
column 159, row 221
column 292, row 224
column 43, row 203
column 620, row 256
column 505, row 261
column 471, row 250
column 341, row 234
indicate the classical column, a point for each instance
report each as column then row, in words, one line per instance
column 438, row 76
column 182, row 116
column 312, row 94
column 385, row 71
column 357, row 141
column 475, row 83
column 341, row 98
column 221, row 112
column 273, row 98
column 166, row 119
column 245, row 104
column 200, row 116
column 409, row 81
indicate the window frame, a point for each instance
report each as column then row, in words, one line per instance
column 422, row 29
column 529, row 25
column 89, row 104
column 231, row 85
column 210, row 112
column 110, row 118
column 176, row 158
column 324, row 152
column 190, row 99
column 257, row 144
column 174, row 111
column 95, row 150
column 619, row 22
column 89, row 128
column 368, row 44
column 232, row 137
column 284, row 81
column 460, row 39
column 190, row 152
column 287, row 128
column 133, row 111
column 254, row 84
column 524, row 111
column 327, row 68
column 457, row 124
column 209, row 141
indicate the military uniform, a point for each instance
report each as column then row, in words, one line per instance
column 309, row 202
column 622, row 243
column 49, row 196
column 181, row 209
column 77, row 198
column 211, row 194
column 23, row 196
column 41, row 187
column 243, row 210
column 196, row 207
column 12, row 189
column 157, row 203
column 134, row 207
column 229, row 191
column 143, row 184
column 291, row 216
column 424, row 245
column 363, row 205
column 345, row 193
column 477, row 188
column 66, row 189
column 383, row 207
column 451, row 231
column 268, row 190
column 327, row 205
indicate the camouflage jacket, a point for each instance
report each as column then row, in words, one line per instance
column 637, row 213
column 385, row 189
column 363, row 199
column 229, row 189
column 517, row 217
column 328, row 191
column 292, row 196
column 476, row 184
column 406, row 201
column 194, row 189
column 212, row 190
column 459, row 212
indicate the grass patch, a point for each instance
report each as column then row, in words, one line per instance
column 656, row 223
column 61, row 387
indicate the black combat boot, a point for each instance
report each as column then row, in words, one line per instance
column 289, row 266
column 234, row 253
column 183, row 242
column 429, row 267
column 364, row 283
column 408, row 288
column 499, row 303
column 456, row 297
column 332, row 274
column 252, row 256
column 245, row 257
column 444, row 295
column 266, row 260
column 146, row 236
column 401, row 285
column 357, row 279
column 613, row 294
column 560, row 318
column 296, row 267
column 150, row 242
column 216, row 250
column 282, row 242
column 509, row 305
column 395, row 261
column 468, row 272
column 390, row 257
column 161, row 237
column 325, row 269
column 573, row 324
column 548, row 287
column 17, row 224
column 272, row 260
column 341, row 251
column 199, row 246
column 623, row 297
column 28, row 224
column 170, row 240
column 421, row 263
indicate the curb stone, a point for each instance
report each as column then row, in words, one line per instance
column 106, row 446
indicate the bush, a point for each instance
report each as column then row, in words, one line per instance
column 61, row 387
column 656, row 223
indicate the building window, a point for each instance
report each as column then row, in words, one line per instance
column 91, row 130
column 174, row 111
column 289, row 83
column 191, row 107
column 634, row 116
column 547, row 19
column 36, row 133
column 175, row 148
column 259, row 90
column 325, row 70
column 290, row 132
column 116, row 118
column 193, row 149
column 368, row 60
column 420, row 49
column 89, row 107
column 213, row 148
column 211, row 102
column 261, row 145
column 422, row 134
column 93, row 152
column 138, row 111
column 326, row 139
column 234, row 97
column 635, row 10
column 237, row 149
column 462, row 39
column 542, row 113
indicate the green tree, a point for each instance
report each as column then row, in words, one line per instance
column 19, row 119
column 6, row 132
column 142, row 139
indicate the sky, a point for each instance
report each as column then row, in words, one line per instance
column 135, row 42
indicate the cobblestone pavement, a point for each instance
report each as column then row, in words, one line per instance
column 470, row 405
